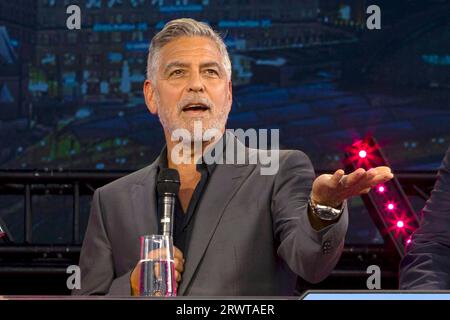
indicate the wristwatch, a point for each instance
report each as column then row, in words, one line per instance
column 325, row 212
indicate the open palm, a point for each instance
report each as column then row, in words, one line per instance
column 333, row 189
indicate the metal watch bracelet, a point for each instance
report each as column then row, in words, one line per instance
column 326, row 213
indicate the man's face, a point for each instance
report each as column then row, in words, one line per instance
column 191, row 86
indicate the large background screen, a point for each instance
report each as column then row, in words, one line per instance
column 72, row 99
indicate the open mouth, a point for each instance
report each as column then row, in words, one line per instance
column 195, row 107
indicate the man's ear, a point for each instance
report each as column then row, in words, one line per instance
column 149, row 96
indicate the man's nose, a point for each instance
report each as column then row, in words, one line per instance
column 195, row 83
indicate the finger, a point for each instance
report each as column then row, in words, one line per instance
column 373, row 176
column 360, row 183
column 365, row 191
column 379, row 171
column 179, row 265
column 354, row 177
column 160, row 253
column 157, row 271
column 361, row 187
column 177, row 276
column 371, row 173
column 383, row 170
column 374, row 180
column 337, row 176
column 379, row 180
column 177, row 253
column 155, row 254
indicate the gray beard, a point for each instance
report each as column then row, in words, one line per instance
column 218, row 123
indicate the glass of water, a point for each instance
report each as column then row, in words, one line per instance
column 157, row 267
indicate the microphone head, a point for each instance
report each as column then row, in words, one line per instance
column 168, row 182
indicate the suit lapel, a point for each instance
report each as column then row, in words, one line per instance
column 143, row 202
column 223, row 185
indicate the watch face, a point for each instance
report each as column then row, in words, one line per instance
column 327, row 214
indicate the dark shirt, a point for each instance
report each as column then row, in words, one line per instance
column 184, row 221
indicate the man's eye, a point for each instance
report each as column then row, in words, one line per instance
column 177, row 72
column 212, row 72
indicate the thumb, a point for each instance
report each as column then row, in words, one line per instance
column 336, row 177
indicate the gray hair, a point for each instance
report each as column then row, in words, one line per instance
column 179, row 28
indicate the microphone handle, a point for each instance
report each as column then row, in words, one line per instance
column 167, row 206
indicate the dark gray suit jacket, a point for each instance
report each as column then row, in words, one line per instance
column 252, row 234
column 426, row 265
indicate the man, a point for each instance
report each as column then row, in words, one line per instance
column 426, row 265
column 237, row 232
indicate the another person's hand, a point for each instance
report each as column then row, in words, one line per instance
column 179, row 268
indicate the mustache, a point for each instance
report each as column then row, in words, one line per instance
column 194, row 100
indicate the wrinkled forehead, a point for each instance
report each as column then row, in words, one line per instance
column 189, row 50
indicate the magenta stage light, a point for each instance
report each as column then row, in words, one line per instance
column 363, row 154
column 387, row 203
column 390, row 206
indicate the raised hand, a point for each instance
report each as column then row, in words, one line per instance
column 333, row 189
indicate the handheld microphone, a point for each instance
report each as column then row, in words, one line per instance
column 168, row 185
